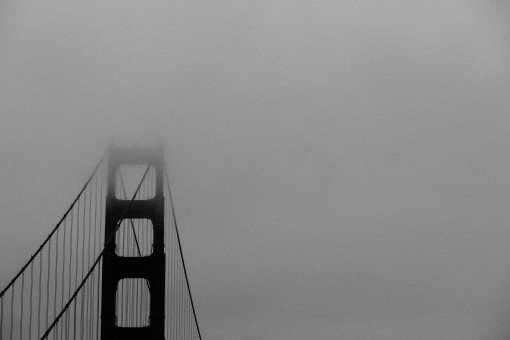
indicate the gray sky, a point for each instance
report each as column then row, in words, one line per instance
column 341, row 169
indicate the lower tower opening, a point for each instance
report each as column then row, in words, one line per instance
column 132, row 303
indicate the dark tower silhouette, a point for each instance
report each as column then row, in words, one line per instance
column 151, row 267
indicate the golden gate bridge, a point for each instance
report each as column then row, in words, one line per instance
column 112, row 267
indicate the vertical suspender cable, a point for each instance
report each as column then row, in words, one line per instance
column 31, row 298
column 92, row 297
column 67, row 327
column 89, row 224
column 76, row 265
column 90, row 300
column 83, row 261
column 183, row 320
column 63, row 263
column 175, row 291
column 74, row 320
column 77, row 245
column 98, row 318
column 56, row 278
column 1, row 317
column 48, row 284
column 101, row 220
column 179, row 292
column 83, row 234
column 167, row 279
column 21, row 318
column 12, row 310
column 82, row 295
column 39, row 299
column 90, row 286
column 69, row 272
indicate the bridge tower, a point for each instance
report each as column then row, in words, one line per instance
column 151, row 267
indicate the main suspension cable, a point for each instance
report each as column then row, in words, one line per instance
column 180, row 251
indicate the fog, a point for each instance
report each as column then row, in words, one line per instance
column 340, row 169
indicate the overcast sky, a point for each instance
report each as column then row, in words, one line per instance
column 341, row 169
